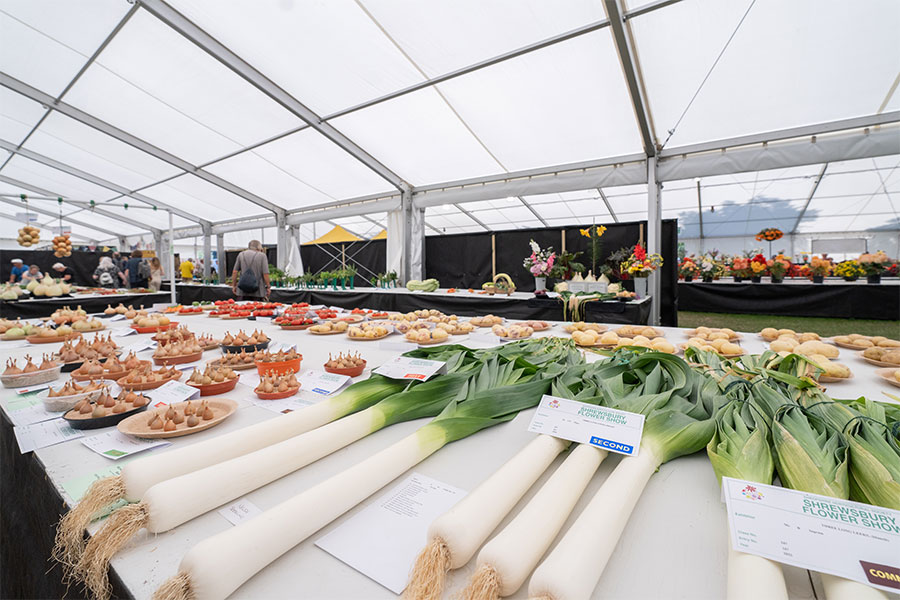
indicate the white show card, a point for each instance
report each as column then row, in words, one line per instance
column 115, row 444
column 382, row 540
column 404, row 367
column 44, row 434
column 607, row 428
column 283, row 406
column 320, row 382
column 172, row 392
column 124, row 331
column 840, row 537
column 118, row 317
column 240, row 511
column 27, row 411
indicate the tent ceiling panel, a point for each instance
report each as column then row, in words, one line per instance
column 579, row 110
column 554, row 210
column 419, row 137
column 444, row 36
column 743, row 193
column 155, row 84
column 881, row 163
column 839, row 223
column 499, row 203
column 85, row 148
column 852, row 205
column 154, row 218
column 18, row 115
column 452, row 230
column 240, row 239
column 46, row 43
column 101, row 221
column 68, row 186
column 780, row 69
column 305, row 45
column 204, row 199
column 325, row 171
column 849, row 183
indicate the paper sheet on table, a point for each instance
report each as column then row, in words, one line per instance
column 44, row 434
column 382, row 540
column 115, row 444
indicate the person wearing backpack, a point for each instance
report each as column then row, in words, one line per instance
column 137, row 271
column 250, row 278
column 107, row 274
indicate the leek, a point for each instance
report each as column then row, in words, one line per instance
column 217, row 566
column 676, row 424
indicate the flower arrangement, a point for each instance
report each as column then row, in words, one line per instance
column 874, row 264
column 758, row 265
column 740, row 266
column 778, row 266
column 799, row 271
column 770, row 234
column 641, row 264
column 594, row 232
column 849, row 269
column 688, row 268
column 819, row 266
column 566, row 265
column 540, row 263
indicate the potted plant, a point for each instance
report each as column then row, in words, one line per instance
column 819, row 267
column 540, row 264
column 688, row 269
column 740, row 268
column 566, row 266
column 873, row 265
column 641, row 265
column 850, row 270
column 351, row 272
column 710, row 268
column 391, row 279
column 778, row 266
column 758, row 266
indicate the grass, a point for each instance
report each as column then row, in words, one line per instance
column 821, row 325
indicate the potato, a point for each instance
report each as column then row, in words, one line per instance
column 897, row 374
column 717, row 344
column 783, row 345
column 729, row 332
column 731, row 348
column 856, row 336
column 648, row 332
column 892, row 357
column 876, row 339
column 663, row 345
column 769, row 333
column 862, row 342
column 641, row 340
column 874, row 353
column 624, row 341
column 814, row 347
column 719, row 335
column 805, row 337
column 610, row 337
column 703, row 329
column 786, row 332
column 887, row 343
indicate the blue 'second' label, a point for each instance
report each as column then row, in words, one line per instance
column 320, row 391
column 611, row 445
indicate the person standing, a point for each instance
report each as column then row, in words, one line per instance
column 107, row 274
column 63, row 273
column 118, row 261
column 32, row 274
column 18, row 269
column 136, row 270
column 187, row 270
column 156, row 274
column 250, row 278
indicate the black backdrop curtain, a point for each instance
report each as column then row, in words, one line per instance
column 81, row 263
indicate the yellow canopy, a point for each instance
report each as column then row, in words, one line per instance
column 381, row 236
column 335, row 236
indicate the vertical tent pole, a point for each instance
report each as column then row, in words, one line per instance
column 172, row 259
column 221, row 263
column 654, row 236
column 493, row 256
column 207, row 251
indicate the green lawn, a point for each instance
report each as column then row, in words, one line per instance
column 823, row 326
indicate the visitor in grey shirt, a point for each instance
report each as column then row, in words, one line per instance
column 253, row 264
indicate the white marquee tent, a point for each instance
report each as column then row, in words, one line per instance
column 450, row 116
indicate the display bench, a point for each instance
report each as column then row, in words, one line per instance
column 835, row 298
column 92, row 303
column 519, row 305
column 681, row 508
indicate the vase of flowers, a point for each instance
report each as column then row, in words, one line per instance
column 758, row 266
column 688, row 269
column 641, row 265
column 710, row 267
column 540, row 264
column 769, row 234
column 819, row 267
column 740, row 268
column 873, row 265
column 850, row 270
column 778, row 266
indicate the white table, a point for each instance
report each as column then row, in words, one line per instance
column 674, row 546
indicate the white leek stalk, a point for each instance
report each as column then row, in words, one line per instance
column 507, row 560
column 455, row 536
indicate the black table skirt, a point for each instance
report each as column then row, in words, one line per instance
column 44, row 308
column 30, row 507
column 545, row 309
column 854, row 301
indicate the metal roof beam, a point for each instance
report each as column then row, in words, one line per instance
column 609, row 207
column 98, row 209
column 533, row 211
column 123, row 136
column 471, row 216
column 18, row 204
column 628, row 61
column 809, row 198
column 47, row 161
column 214, row 48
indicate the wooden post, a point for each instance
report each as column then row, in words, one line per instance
column 641, row 236
column 343, row 256
column 493, row 256
column 562, row 237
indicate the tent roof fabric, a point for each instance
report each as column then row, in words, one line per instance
column 335, row 236
column 382, row 235
column 286, row 106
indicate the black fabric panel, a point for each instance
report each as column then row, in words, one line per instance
column 369, row 258
column 45, row 308
column 461, row 261
column 82, row 263
column 850, row 300
column 31, row 508
column 512, row 308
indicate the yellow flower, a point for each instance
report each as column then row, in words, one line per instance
column 600, row 230
column 585, row 232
